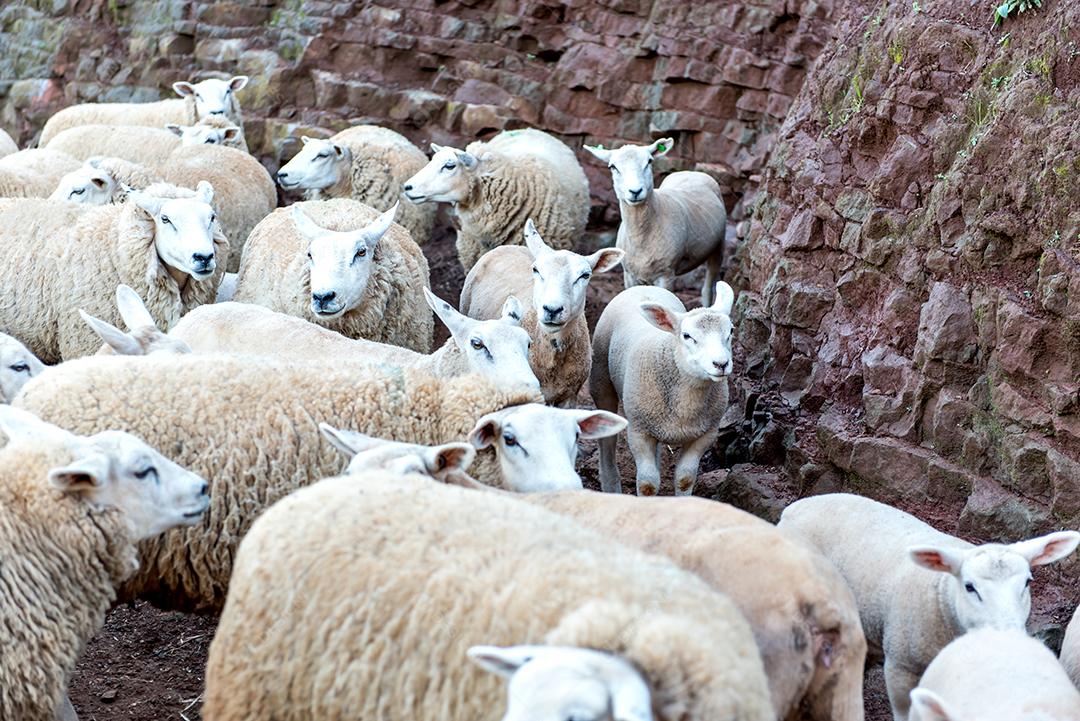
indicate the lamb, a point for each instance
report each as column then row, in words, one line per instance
column 496, row 349
column 669, row 368
column 61, row 256
column 342, row 265
column 561, row 352
column 251, row 427
column 918, row 588
column 366, row 163
column 1070, row 649
column 365, row 453
column 197, row 100
column 995, row 675
column 100, row 181
column 17, row 366
column 579, row 630
column 142, row 337
column 496, row 186
column 212, row 130
column 71, row 510
column 7, row 144
column 670, row 230
column 33, row 173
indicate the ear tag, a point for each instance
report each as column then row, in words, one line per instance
column 661, row 148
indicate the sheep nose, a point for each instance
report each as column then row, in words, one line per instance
column 408, row 187
column 281, row 174
column 323, row 298
column 637, row 192
column 202, row 259
column 217, row 112
column 205, row 490
column 550, row 312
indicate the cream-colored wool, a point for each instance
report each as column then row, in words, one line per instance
column 377, row 163
column 1070, row 649
column 61, row 561
column 34, row 173
column 244, row 193
column 358, row 598
column 275, row 272
column 139, row 144
column 251, row 428
column 63, row 256
column 803, row 615
column 7, row 144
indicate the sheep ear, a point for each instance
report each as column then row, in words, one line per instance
column 151, row 204
column 599, row 424
column 348, row 442
column 449, row 457
column 435, row 147
column 204, row 191
column 305, row 139
column 20, row 425
column 512, row 311
column 238, row 82
column 453, row 319
column 928, row 706
column 660, row 317
column 183, row 89
column 501, row 660
column 304, row 224
column 932, row 558
column 661, row 147
column 377, row 229
column 89, row 471
column 533, row 241
column 606, row 259
column 599, row 151
column 630, row 700
column 175, row 129
column 94, row 161
column 100, row 182
column 132, row 309
column 486, row 431
column 230, row 133
column 1048, row 549
column 724, row 298
column 339, row 151
column 121, row 342
column 468, row 160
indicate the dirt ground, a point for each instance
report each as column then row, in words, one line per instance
column 147, row 665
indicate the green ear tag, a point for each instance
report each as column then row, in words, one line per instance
column 661, row 148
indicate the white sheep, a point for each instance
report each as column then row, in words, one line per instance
column 995, row 675
column 17, row 366
column 197, row 100
column 367, row 453
column 366, row 163
column 495, row 186
column 72, row 509
column 102, row 180
column 33, row 173
column 670, row 230
column 669, row 368
column 146, row 146
column 557, row 281
column 142, row 336
column 414, row 576
column 62, row 256
column 1070, row 648
column 212, row 130
column 342, row 265
column 251, row 427
column 918, row 588
column 7, row 144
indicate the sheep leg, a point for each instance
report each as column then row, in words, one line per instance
column 686, row 468
column 647, row 459
column 712, row 272
column 65, row 711
column 606, row 399
column 609, row 470
column 899, row 682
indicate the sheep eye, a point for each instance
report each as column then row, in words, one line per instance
column 585, row 276
column 165, row 220
column 309, row 255
column 360, row 253
column 687, row 336
column 509, row 439
column 648, row 162
column 20, row 368
column 477, row 344
column 209, row 141
column 970, row 588
column 146, row 473
column 1027, row 583
column 535, row 271
column 450, row 165
column 613, row 169
column 79, row 191
column 213, row 217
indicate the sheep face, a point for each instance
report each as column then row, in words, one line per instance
column 212, row 96
column 445, row 179
column 183, row 230
column 17, row 366
column 496, row 349
column 561, row 277
column 203, row 134
column 702, row 336
column 370, row 454
column 631, row 168
column 537, row 445
column 340, row 262
column 990, row 584
column 553, row 683
column 317, row 166
column 85, row 185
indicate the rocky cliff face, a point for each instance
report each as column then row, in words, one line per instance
column 912, row 264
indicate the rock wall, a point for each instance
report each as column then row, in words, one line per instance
column 718, row 76
column 913, row 264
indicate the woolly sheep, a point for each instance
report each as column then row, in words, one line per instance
column 496, row 186
column 33, row 173
column 102, row 180
column 1070, row 649
column 496, row 349
column 71, row 510
column 7, row 145
column 17, row 366
column 557, row 280
column 669, row 368
column 142, row 337
column 918, row 588
column 670, row 230
column 197, row 100
column 581, row 626
column 366, row 163
column 213, row 130
column 995, row 675
column 342, row 265
column 62, row 256
column 251, row 427
column 149, row 147
column 367, row 453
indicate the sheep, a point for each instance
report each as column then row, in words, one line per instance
column 669, row 368
column 670, row 230
column 342, row 265
column 918, row 588
column 146, row 146
column 561, row 352
column 102, row 180
column 496, row 186
column 17, row 366
column 212, row 130
column 1070, row 649
column 197, row 100
column 365, row 453
column 63, row 256
column 497, row 349
column 251, row 427
column 142, row 337
column 72, row 509
column 414, row 576
column 33, row 173
column 7, row 144
column 995, row 675
column 366, row 163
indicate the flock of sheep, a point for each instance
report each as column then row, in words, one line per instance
column 184, row 361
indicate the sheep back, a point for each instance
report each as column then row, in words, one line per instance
column 156, row 114
column 34, row 173
column 139, row 144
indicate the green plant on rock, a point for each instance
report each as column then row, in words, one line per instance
column 1002, row 11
